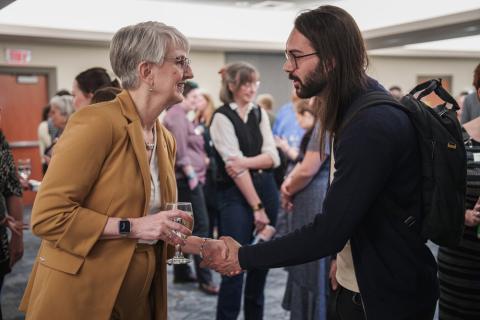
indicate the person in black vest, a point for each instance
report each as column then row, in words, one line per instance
column 377, row 162
column 248, row 198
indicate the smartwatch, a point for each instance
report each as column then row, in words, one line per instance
column 258, row 206
column 124, row 227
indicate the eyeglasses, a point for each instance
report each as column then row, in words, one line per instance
column 181, row 61
column 293, row 58
column 254, row 84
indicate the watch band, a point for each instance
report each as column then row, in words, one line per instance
column 258, row 206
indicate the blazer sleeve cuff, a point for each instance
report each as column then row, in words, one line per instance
column 83, row 232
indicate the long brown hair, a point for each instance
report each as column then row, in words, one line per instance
column 335, row 36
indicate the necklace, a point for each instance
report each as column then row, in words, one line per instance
column 149, row 146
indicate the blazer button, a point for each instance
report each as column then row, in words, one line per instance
column 41, row 259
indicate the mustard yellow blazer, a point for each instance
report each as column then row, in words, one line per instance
column 99, row 170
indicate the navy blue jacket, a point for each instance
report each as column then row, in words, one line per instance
column 376, row 156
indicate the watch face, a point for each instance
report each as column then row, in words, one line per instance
column 124, row 226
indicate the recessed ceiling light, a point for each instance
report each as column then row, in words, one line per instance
column 242, row 3
column 471, row 29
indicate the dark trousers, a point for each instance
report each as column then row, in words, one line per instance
column 236, row 220
column 200, row 229
column 211, row 200
column 344, row 304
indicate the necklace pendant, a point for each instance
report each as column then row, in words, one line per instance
column 149, row 146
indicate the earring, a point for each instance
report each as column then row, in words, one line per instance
column 151, row 87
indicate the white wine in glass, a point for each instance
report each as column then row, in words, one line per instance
column 24, row 167
column 186, row 207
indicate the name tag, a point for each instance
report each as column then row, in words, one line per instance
column 476, row 157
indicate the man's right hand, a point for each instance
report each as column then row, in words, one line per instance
column 332, row 275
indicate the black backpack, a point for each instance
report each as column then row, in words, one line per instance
column 443, row 159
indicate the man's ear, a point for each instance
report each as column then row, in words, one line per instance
column 330, row 65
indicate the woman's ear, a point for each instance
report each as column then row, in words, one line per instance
column 231, row 87
column 145, row 71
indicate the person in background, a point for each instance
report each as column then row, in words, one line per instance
column 459, row 268
column 266, row 102
column 105, row 94
column 204, row 112
column 61, row 108
column 89, row 81
column 247, row 194
column 47, row 132
column 471, row 105
column 11, row 211
column 190, row 171
column 307, row 285
column 286, row 125
column 44, row 137
column 461, row 100
column 303, row 115
column 289, row 154
column 396, row 92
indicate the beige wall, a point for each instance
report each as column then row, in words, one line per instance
column 403, row 71
column 70, row 60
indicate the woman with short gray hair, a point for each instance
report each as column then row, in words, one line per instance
column 61, row 108
column 100, row 209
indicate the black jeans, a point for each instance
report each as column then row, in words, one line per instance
column 200, row 228
column 344, row 304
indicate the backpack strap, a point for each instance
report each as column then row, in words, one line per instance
column 368, row 100
column 434, row 85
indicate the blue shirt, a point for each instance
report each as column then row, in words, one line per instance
column 286, row 125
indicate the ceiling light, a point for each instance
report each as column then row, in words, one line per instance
column 471, row 29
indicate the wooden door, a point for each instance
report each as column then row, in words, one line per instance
column 22, row 98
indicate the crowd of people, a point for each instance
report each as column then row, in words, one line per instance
column 268, row 189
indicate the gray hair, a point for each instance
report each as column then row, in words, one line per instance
column 146, row 41
column 64, row 104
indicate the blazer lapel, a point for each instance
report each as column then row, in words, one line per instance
column 163, row 166
column 134, row 129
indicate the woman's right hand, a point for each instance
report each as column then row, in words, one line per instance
column 161, row 226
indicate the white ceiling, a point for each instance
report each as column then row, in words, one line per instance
column 226, row 25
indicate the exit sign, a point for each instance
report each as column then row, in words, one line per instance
column 18, row 56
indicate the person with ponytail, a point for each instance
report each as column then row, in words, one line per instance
column 89, row 81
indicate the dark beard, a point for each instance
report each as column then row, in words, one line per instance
column 314, row 84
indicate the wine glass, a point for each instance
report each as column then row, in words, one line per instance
column 24, row 167
column 186, row 207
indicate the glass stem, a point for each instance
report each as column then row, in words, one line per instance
column 178, row 252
